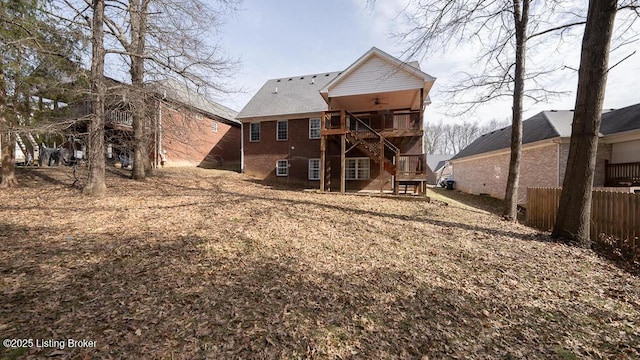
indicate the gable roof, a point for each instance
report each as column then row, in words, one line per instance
column 289, row 95
column 411, row 68
column 440, row 165
column 434, row 159
column 179, row 92
column 542, row 126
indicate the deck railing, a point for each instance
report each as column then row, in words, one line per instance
column 411, row 166
column 120, row 117
column 395, row 121
column 625, row 174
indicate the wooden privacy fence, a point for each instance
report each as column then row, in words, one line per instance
column 615, row 216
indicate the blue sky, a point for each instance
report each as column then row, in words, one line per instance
column 288, row 37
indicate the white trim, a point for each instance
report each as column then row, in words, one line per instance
column 621, row 137
column 241, row 147
column 309, row 169
column 259, row 131
column 278, row 173
column 286, row 135
column 274, row 117
column 356, row 168
column 319, row 128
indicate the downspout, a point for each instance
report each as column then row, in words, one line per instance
column 241, row 147
column 160, row 152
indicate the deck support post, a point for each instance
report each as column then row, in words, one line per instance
column 381, row 161
column 323, row 157
column 396, row 183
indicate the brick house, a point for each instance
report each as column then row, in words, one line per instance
column 483, row 166
column 194, row 131
column 356, row 129
column 187, row 129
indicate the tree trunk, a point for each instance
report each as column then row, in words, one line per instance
column 96, row 183
column 138, row 11
column 8, row 160
column 7, row 141
column 574, row 212
column 521, row 17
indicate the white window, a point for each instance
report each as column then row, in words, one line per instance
column 314, row 128
column 357, row 168
column 282, row 168
column 214, row 126
column 282, row 130
column 314, row 169
column 254, row 132
column 199, row 116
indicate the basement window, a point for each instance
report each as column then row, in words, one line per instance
column 314, row 169
column 282, row 168
column 357, row 168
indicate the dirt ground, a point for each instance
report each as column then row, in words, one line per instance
column 195, row 264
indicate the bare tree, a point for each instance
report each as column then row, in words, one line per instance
column 452, row 138
column 96, row 182
column 573, row 219
column 33, row 48
column 503, row 29
column 162, row 39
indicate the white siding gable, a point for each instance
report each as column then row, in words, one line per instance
column 373, row 76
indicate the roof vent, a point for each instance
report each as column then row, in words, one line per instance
column 326, row 74
column 313, row 81
column 276, row 90
column 278, row 80
column 301, row 77
column 290, row 79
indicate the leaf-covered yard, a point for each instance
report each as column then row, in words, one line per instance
column 206, row 264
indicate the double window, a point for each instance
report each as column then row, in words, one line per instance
column 314, row 128
column 314, row 169
column 282, row 168
column 254, row 132
column 282, row 130
column 357, row 168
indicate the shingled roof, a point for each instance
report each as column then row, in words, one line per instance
column 544, row 125
column 179, row 92
column 549, row 125
column 621, row 120
column 289, row 95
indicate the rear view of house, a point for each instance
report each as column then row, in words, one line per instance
column 360, row 128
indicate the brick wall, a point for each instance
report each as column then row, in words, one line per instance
column 190, row 140
column 604, row 153
column 538, row 168
column 488, row 175
column 261, row 157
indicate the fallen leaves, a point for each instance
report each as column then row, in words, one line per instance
column 206, row 264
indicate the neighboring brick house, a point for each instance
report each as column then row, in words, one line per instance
column 194, row 131
column 356, row 129
column 483, row 166
column 187, row 129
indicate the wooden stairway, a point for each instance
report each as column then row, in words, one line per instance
column 371, row 143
